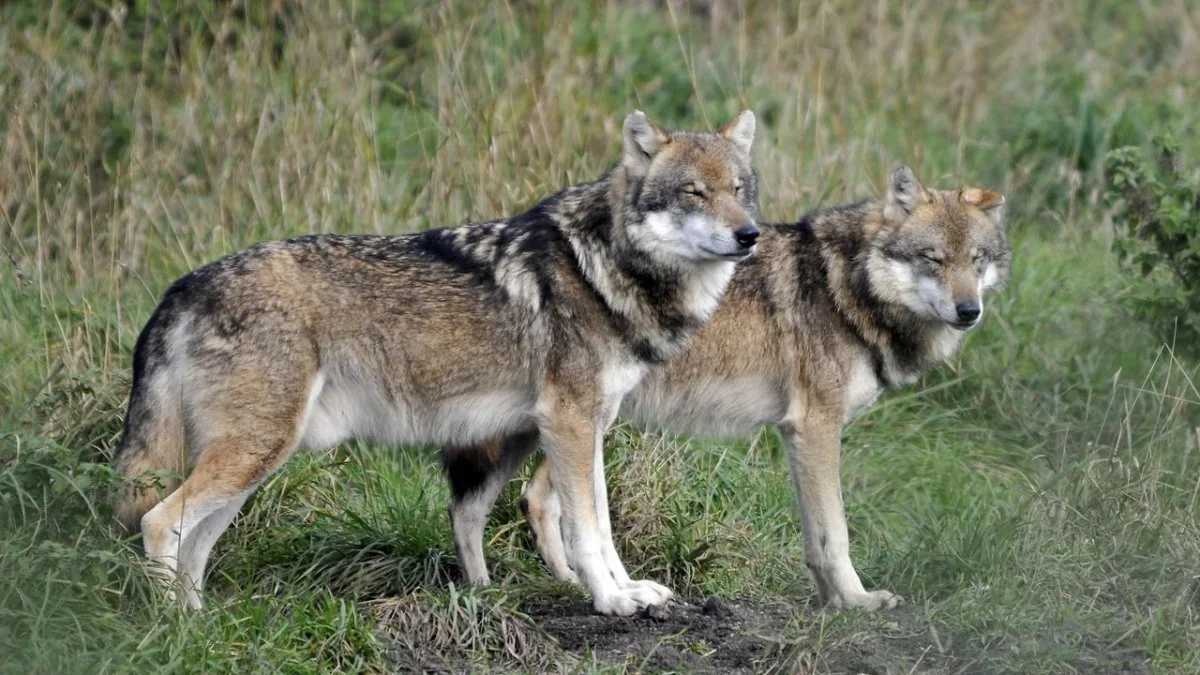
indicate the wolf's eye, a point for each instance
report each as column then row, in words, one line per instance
column 737, row 189
column 692, row 189
column 932, row 257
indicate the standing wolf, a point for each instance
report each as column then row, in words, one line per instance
column 832, row 311
column 536, row 326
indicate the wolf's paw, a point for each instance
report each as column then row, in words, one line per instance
column 629, row 601
column 662, row 592
column 476, row 580
column 560, row 570
column 872, row 601
column 192, row 598
column 188, row 597
column 177, row 593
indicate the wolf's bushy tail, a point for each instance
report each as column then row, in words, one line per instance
column 154, row 438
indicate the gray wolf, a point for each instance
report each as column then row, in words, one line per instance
column 835, row 309
column 537, row 325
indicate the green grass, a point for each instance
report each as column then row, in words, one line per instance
column 1035, row 499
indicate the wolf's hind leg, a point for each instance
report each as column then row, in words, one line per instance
column 165, row 528
column 180, row 531
column 543, row 512
column 477, row 476
column 245, row 433
column 196, row 548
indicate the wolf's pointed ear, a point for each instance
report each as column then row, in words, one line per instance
column 988, row 201
column 904, row 194
column 740, row 130
column 643, row 140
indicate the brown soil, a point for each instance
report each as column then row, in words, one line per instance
column 710, row 635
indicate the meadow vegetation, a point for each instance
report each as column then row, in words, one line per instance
column 1035, row 500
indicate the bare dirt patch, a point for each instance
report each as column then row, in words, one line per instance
column 707, row 635
column 741, row 636
column 710, row 635
column 700, row 635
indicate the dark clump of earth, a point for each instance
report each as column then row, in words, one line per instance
column 697, row 635
column 712, row 635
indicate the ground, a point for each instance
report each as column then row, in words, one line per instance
column 712, row 635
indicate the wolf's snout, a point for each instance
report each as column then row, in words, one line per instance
column 968, row 311
column 746, row 236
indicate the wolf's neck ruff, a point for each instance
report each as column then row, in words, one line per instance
column 902, row 345
column 655, row 308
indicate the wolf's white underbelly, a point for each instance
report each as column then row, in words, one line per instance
column 341, row 408
column 710, row 407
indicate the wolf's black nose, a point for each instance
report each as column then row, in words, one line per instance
column 746, row 236
column 968, row 311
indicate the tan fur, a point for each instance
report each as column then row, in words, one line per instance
column 163, row 454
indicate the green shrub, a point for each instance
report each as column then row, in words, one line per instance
column 1157, row 216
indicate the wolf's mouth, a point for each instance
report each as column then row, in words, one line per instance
column 963, row 325
column 736, row 255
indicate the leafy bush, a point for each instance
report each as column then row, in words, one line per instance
column 1157, row 216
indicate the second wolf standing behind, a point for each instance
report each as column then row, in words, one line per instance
column 536, row 325
column 834, row 309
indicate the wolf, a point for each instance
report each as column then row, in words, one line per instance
column 833, row 310
column 534, row 326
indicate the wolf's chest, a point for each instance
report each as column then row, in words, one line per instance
column 862, row 389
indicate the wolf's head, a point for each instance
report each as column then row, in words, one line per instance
column 689, row 197
column 938, row 251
